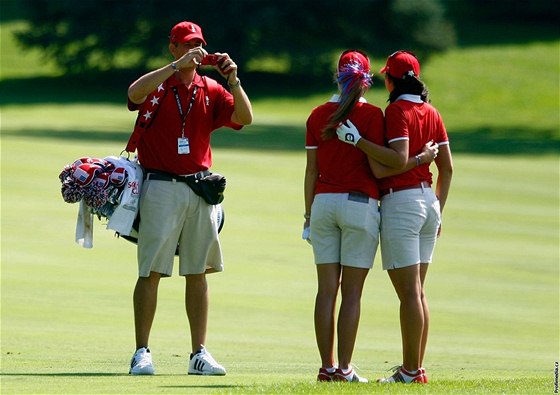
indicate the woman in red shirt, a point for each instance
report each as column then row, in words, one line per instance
column 410, row 209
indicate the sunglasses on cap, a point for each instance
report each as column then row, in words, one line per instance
column 404, row 52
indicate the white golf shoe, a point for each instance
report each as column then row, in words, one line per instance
column 141, row 362
column 202, row 363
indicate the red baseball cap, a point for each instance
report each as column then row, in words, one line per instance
column 354, row 57
column 186, row 31
column 401, row 63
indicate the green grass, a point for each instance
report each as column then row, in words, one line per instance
column 66, row 312
column 509, row 86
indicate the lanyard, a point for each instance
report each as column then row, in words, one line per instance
column 180, row 107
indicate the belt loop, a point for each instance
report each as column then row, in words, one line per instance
column 422, row 186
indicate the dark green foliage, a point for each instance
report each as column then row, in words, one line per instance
column 91, row 35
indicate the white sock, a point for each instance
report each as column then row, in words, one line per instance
column 412, row 373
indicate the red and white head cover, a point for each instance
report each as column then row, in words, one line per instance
column 118, row 176
column 85, row 173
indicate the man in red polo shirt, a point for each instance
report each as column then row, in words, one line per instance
column 177, row 111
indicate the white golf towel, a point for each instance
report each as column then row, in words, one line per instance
column 125, row 213
column 84, row 226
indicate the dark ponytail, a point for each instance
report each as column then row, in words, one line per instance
column 409, row 84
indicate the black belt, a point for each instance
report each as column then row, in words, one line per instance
column 358, row 197
column 159, row 175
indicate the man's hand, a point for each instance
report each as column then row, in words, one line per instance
column 348, row 133
column 227, row 68
column 191, row 58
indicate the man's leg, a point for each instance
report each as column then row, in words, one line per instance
column 196, row 303
column 145, row 302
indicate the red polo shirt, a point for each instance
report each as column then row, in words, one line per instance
column 211, row 109
column 342, row 167
column 409, row 118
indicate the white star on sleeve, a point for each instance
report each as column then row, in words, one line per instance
column 160, row 87
column 147, row 115
column 155, row 101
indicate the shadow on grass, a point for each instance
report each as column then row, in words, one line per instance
column 203, row 386
column 88, row 374
column 112, row 87
column 93, row 374
column 506, row 141
column 484, row 140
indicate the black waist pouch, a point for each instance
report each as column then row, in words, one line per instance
column 211, row 188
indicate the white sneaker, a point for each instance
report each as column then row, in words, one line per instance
column 141, row 362
column 202, row 363
column 350, row 376
column 401, row 375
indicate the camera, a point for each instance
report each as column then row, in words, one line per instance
column 210, row 60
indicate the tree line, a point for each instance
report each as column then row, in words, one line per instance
column 289, row 36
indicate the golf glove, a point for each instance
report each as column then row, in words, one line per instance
column 348, row 133
column 306, row 234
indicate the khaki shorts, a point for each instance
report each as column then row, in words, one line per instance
column 171, row 213
column 345, row 229
column 409, row 223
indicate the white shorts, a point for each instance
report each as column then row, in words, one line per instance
column 170, row 214
column 409, row 223
column 345, row 229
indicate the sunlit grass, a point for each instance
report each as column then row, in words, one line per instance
column 493, row 288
